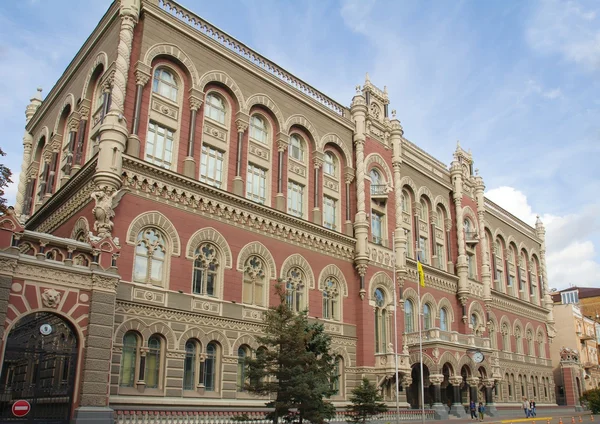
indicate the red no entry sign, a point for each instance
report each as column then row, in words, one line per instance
column 21, row 408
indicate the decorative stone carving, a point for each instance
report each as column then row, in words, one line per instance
column 107, row 200
column 51, row 298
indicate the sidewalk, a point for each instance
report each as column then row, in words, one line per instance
column 554, row 415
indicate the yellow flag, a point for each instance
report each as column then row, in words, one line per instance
column 421, row 273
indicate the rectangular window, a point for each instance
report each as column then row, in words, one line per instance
column 159, row 145
column 376, row 227
column 329, row 212
column 424, row 251
column 499, row 279
column 295, row 199
column 471, row 265
column 439, row 252
column 256, row 184
column 211, row 166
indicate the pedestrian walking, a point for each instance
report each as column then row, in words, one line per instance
column 526, row 408
column 532, row 408
column 481, row 411
column 473, row 409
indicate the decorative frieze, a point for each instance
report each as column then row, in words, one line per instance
column 259, row 152
column 214, row 131
column 149, row 296
column 206, row 305
column 163, row 108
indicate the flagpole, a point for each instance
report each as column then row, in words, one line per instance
column 395, row 330
column 420, row 347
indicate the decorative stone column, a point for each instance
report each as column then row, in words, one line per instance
column 358, row 110
column 142, row 76
column 113, row 133
column 461, row 265
column 73, row 125
column 93, row 403
column 318, row 165
column 399, row 233
column 485, row 267
column 348, row 177
column 547, row 302
column 189, row 164
column 473, row 382
column 238, row 183
column 282, row 146
column 489, row 397
column 457, row 409
column 439, row 409
column 449, row 262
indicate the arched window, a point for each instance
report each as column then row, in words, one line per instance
column 295, row 286
column 443, row 319
column 209, row 367
column 253, row 289
column 405, row 202
column 153, row 362
column 380, row 321
column 243, row 352
column 505, row 338
column 296, row 148
column 164, row 84
column 426, row 316
column 189, row 365
column 331, row 294
column 492, row 335
column 541, row 350
column 258, row 129
column 439, row 218
column 215, row 108
column 206, row 263
column 530, row 344
column 467, row 225
column 424, row 212
column 129, row 359
column 150, row 256
column 338, row 374
column 329, row 164
column 474, row 321
column 518, row 340
column 378, row 185
column 409, row 325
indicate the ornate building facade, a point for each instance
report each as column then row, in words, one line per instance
column 173, row 176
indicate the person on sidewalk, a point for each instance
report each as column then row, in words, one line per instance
column 526, row 408
column 473, row 409
column 481, row 411
column 532, row 408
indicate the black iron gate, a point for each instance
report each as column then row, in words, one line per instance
column 40, row 362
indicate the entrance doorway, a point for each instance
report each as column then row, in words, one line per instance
column 40, row 361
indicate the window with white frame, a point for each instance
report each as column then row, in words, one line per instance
column 295, row 289
column 256, row 184
column 296, row 148
column 253, row 289
column 159, row 145
column 439, row 252
column 381, row 317
column 329, row 212
column 424, row 211
column 295, row 199
column 439, row 218
column 211, row 166
column 164, row 83
column 409, row 318
column 206, row 263
column 150, row 255
column 258, row 129
column 443, row 319
column 215, row 108
column 569, row 297
column 378, row 185
column 377, row 227
column 405, row 202
column 426, row 317
column 471, row 266
column 331, row 304
column 329, row 164
column 424, row 250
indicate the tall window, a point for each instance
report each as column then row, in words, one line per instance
column 295, row 199
column 530, row 344
column 189, row 365
column 426, row 316
column 439, row 252
column 409, row 320
column 405, row 202
column 209, row 367
column 505, row 339
column 337, row 375
column 256, row 184
column 254, row 281
column 474, row 322
column 129, row 359
column 439, row 218
column 518, row 340
column 164, row 84
column 443, row 319
column 331, row 294
column 424, row 212
column 295, row 289
column 380, row 321
column 377, row 227
column 150, row 254
column 378, row 186
column 159, row 145
column 258, row 129
column 424, row 247
column 211, row 166
column 206, row 262
column 329, row 212
column 329, row 164
column 243, row 352
column 153, row 362
column 541, row 350
column 215, row 108
column 296, row 148
column 471, row 266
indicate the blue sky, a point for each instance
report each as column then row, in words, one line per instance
column 516, row 82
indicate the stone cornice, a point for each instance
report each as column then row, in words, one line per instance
column 191, row 195
column 65, row 202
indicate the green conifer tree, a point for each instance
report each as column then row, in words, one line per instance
column 366, row 403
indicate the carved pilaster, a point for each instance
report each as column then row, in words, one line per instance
column 27, row 146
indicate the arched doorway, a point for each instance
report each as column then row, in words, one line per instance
column 40, row 361
column 414, row 392
column 446, row 387
column 465, row 396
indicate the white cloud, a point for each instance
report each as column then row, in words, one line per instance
column 569, row 29
column 571, row 256
column 10, row 191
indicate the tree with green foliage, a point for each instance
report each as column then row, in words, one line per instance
column 366, row 403
column 296, row 366
column 5, row 180
column 591, row 398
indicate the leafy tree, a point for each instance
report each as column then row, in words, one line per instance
column 366, row 403
column 296, row 366
column 592, row 399
column 5, row 180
